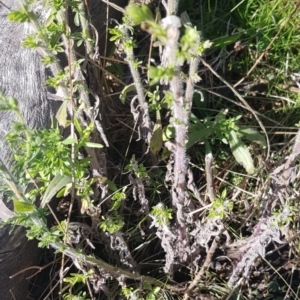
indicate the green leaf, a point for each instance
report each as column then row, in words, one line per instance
column 76, row 278
column 253, row 136
column 69, row 141
column 61, row 192
column 116, row 204
column 225, row 41
column 56, row 184
column 150, row 296
column 93, row 145
column 112, row 186
column 139, row 14
column 78, row 127
column 168, row 133
column 157, row 137
column 76, row 20
column 18, row 16
column 240, row 152
column 127, row 89
column 61, row 114
column 23, row 207
column 198, row 133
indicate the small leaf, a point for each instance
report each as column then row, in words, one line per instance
column 76, row 20
column 23, row 207
column 156, row 290
column 253, row 136
column 116, row 204
column 18, row 16
column 61, row 192
column 240, row 152
column 69, row 141
column 125, row 91
column 84, row 205
column 150, row 296
column 112, row 186
column 139, row 14
column 68, row 189
column 198, row 133
column 61, row 114
column 93, row 145
column 56, row 184
column 185, row 19
column 100, row 179
column 157, row 137
column 225, row 40
column 169, row 133
column 78, row 127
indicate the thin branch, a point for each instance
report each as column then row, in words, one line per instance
column 146, row 122
column 209, row 176
column 6, row 6
column 206, row 264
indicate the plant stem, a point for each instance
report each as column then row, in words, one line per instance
column 116, row 272
column 146, row 122
column 203, row 268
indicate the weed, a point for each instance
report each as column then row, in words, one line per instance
column 155, row 201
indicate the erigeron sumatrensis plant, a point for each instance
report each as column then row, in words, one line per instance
column 176, row 50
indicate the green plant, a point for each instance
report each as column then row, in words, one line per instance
column 220, row 207
column 179, row 225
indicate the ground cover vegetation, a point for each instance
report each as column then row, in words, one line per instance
column 178, row 176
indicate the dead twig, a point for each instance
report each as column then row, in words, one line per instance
column 209, row 177
column 206, row 264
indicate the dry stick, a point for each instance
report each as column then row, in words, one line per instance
column 39, row 270
column 6, row 6
column 242, row 100
column 209, row 177
column 106, row 33
column 206, row 264
column 12, row 294
column 115, row 6
column 270, row 44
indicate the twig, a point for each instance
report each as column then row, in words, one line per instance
column 283, row 245
column 115, row 6
column 12, row 294
column 209, row 176
column 6, row 6
column 38, row 268
column 206, row 264
column 143, row 106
